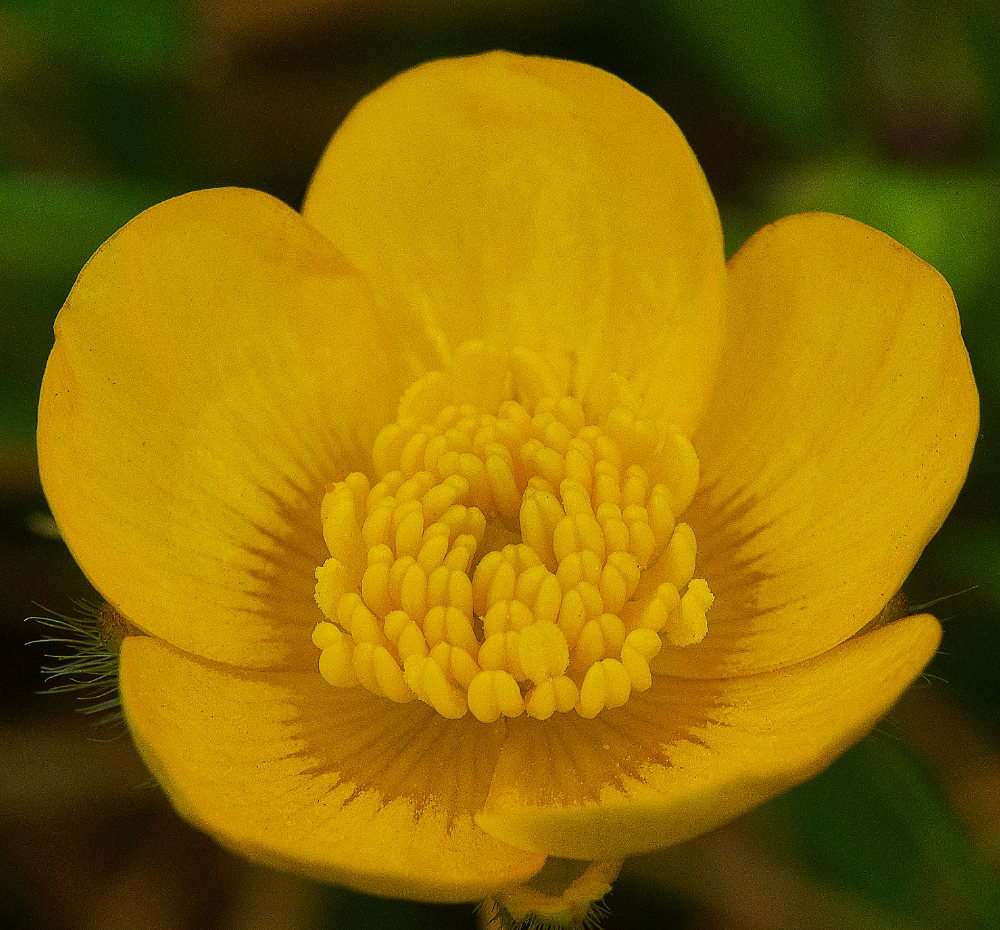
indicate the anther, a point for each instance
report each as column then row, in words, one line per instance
column 493, row 694
column 559, row 694
column 514, row 552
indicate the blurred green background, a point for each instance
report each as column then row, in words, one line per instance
column 884, row 110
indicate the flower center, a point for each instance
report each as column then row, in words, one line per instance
column 513, row 556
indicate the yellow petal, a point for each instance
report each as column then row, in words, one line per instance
column 215, row 365
column 837, row 441
column 333, row 784
column 690, row 754
column 538, row 203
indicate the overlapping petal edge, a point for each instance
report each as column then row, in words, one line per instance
column 221, row 359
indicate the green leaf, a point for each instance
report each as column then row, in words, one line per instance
column 129, row 38
column 779, row 59
column 968, row 556
column 874, row 823
column 53, row 225
column 950, row 217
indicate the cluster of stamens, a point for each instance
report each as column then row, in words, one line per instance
column 511, row 560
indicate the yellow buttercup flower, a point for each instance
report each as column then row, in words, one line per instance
column 481, row 516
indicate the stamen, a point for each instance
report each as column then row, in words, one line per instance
column 512, row 555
